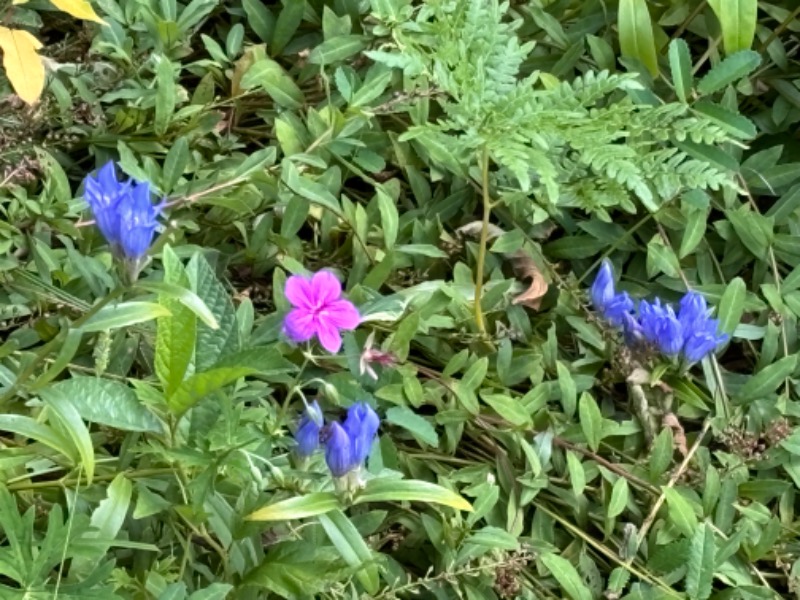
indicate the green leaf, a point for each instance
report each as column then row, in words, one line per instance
column 186, row 297
column 176, row 334
column 567, row 576
column 737, row 19
column 337, row 49
column 43, row 434
column 508, row 408
column 215, row 591
column 701, row 563
column 213, row 342
column 124, row 314
column 295, row 570
column 298, row 507
column 680, row 64
column 765, row 382
column 198, row 386
column 175, row 164
column 680, row 511
column 279, row 85
column 754, row 230
column 734, row 123
column 76, row 430
column 566, row 385
column 419, row 426
column 107, row 520
column 308, row 189
column 260, row 19
column 165, row 95
column 288, row 21
column 696, row 221
column 104, row 401
column 661, row 455
column 400, row 490
column 390, row 218
column 577, row 474
column 591, row 420
column 731, row 305
column 352, row 548
column 661, row 258
column 731, row 69
column 636, row 33
column 619, row 498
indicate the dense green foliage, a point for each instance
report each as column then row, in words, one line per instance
column 463, row 166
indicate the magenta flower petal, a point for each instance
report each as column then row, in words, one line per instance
column 342, row 314
column 300, row 325
column 329, row 336
column 299, row 291
column 326, row 288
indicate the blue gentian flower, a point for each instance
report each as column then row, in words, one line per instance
column 137, row 218
column 692, row 310
column 700, row 343
column 361, row 426
column 337, row 451
column 307, row 435
column 661, row 327
column 123, row 212
column 612, row 306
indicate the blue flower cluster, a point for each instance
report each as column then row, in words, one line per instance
column 123, row 211
column 347, row 445
column 690, row 333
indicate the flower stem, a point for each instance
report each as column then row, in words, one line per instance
column 487, row 212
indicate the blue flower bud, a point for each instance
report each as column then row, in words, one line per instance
column 361, row 426
column 693, row 309
column 337, row 450
column 602, row 290
column 661, row 327
column 104, row 194
column 307, row 435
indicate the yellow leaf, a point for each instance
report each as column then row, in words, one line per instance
column 80, row 9
column 24, row 67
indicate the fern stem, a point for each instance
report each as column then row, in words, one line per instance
column 487, row 211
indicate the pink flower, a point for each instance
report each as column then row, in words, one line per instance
column 319, row 310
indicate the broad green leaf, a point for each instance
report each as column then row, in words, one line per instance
column 390, row 218
column 186, row 297
column 352, row 548
column 308, row 189
column 40, row 432
column 737, row 19
column 661, row 258
column 566, row 385
column 296, row 570
column 509, row 408
column 166, row 95
column 215, row 591
column 591, row 420
column 288, row 21
column 124, row 314
column 400, row 490
column 661, row 454
column 567, row 576
column 175, row 334
column 198, row 386
column 619, row 498
column 213, row 343
column 696, row 222
column 701, row 563
column 476, row 373
column 731, row 69
column 417, row 425
column 636, row 33
column 734, row 123
column 107, row 520
column 731, row 305
column 104, row 401
column 754, row 230
column 765, row 382
column 175, row 164
column 76, row 430
column 298, row 507
column 680, row 64
column 577, row 474
column 72, row 340
column 278, row 84
column 680, row 511
column 260, row 19
column 23, row 65
column 337, row 49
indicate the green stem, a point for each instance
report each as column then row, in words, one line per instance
column 487, row 212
